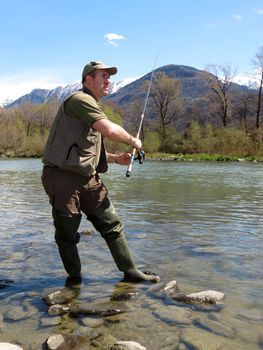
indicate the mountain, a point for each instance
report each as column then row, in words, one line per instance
column 194, row 88
column 60, row 93
column 193, row 85
column 35, row 96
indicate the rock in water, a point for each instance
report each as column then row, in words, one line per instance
column 67, row 342
column 127, row 345
column 165, row 288
column 8, row 346
column 103, row 309
column 54, row 341
column 124, row 296
column 62, row 296
column 207, row 296
column 58, row 309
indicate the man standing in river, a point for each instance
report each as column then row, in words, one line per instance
column 73, row 158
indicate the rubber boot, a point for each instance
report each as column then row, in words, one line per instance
column 67, row 237
column 106, row 221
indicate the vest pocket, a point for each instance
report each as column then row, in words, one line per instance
column 80, row 161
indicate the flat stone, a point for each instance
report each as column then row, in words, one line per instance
column 166, row 288
column 124, row 296
column 216, row 327
column 103, row 309
column 19, row 312
column 199, row 339
column 50, row 321
column 92, row 322
column 127, row 345
column 103, row 341
column 71, row 342
column 174, row 315
column 58, row 309
column 54, row 341
column 63, row 296
column 207, row 296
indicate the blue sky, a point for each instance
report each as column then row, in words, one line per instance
column 46, row 43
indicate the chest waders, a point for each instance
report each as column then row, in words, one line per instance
column 106, row 221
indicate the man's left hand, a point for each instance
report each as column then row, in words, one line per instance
column 123, row 158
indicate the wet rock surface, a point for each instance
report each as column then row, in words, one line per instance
column 71, row 342
column 207, row 296
column 166, row 288
column 58, row 309
column 124, row 296
column 62, row 296
column 127, row 345
column 85, row 317
column 103, row 309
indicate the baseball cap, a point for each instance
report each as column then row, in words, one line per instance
column 91, row 66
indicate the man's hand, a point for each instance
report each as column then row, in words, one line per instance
column 136, row 143
column 123, row 158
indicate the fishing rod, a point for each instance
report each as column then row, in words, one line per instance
column 141, row 155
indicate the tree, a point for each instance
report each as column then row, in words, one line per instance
column 244, row 108
column 165, row 93
column 258, row 63
column 220, row 80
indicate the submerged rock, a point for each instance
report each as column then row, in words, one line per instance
column 58, row 309
column 165, row 288
column 216, row 327
column 54, row 341
column 103, row 309
column 124, row 296
column 127, row 345
column 50, row 321
column 207, row 296
column 174, row 315
column 71, row 342
column 62, row 296
column 20, row 312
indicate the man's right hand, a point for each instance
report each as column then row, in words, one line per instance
column 136, row 143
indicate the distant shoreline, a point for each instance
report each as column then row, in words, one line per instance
column 179, row 157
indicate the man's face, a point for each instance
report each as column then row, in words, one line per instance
column 99, row 85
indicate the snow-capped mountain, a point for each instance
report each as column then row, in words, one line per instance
column 62, row 92
column 250, row 80
column 115, row 86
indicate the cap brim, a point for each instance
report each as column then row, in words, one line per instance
column 111, row 70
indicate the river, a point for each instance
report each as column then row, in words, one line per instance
column 200, row 224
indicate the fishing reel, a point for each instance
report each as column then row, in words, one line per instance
column 140, row 156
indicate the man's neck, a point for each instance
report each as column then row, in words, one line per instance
column 88, row 91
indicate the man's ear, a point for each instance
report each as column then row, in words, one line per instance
column 88, row 79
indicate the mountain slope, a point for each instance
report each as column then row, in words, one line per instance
column 193, row 88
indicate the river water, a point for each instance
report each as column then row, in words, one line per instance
column 200, row 224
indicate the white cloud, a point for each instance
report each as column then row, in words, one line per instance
column 112, row 37
column 259, row 11
column 237, row 17
column 22, row 83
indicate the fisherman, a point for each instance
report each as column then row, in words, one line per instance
column 73, row 158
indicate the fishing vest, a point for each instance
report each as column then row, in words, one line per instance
column 73, row 145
